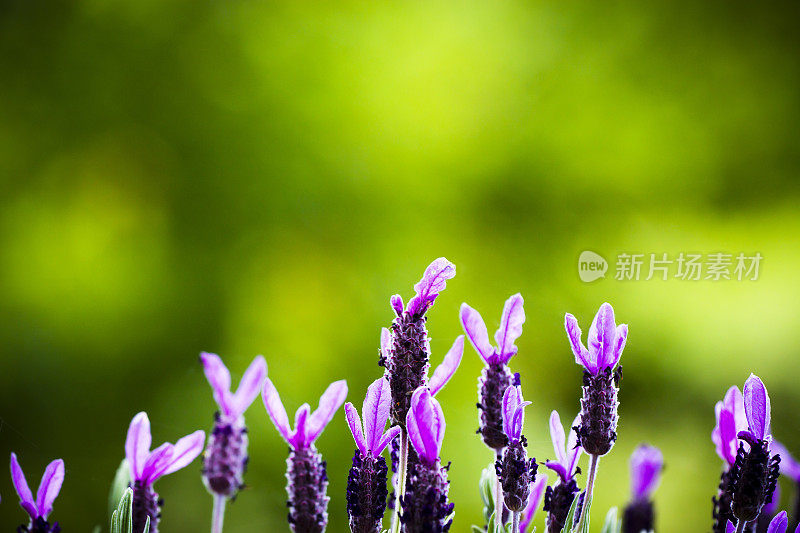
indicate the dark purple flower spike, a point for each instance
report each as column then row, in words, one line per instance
column 225, row 459
column 424, row 505
column 42, row 506
column 754, row 475
column 147, row 467
column 405, row 351
column 514, row 470
column 538, row 488
column 306, row 471
column 606, row 340
column 496, row 377
column 730, row 421
column 366, row 483
column 558, row 498
column 646, row 465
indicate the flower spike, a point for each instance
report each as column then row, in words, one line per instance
column 433, row 281
column 514, row 470
column 646, row 465
column 49, row 487
column 537, row 491
column 559, row 497
column 147, row 467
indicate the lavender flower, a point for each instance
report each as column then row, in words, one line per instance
column 424, row 505
column 597, row 430
column 42, row 506
column 789, row 467
column 731, row 420
column 406, row 349
column 496, row 377
column 514, row 469
column 305, row 469
column 646, row 465
column 366, row 483
column 536, row 492
column 147, row 467
column 558, row 498
column 754, row 474
column 225, row 459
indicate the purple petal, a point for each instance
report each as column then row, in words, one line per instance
column 582, row 355
column 330, row 401
column 475, row 329
column 602, row 335
column 619, row 344
column 510, row 327
column 397, row 304
column 220, row 379
column 789, row 466
column 756, row 407
column 425, row 423
column 557, row 436
column 646, row 465
column 275, row 409
column 250, row 385
column 49, row 487
column 573, row 450
column 390, row 434
column 354, row 422
column 21, row 485
column 771, row 508
column 512, row 397
column 157, row 462
column 727, row 435
column 185, row 451
column 559, row 469
column 537, row 491
column 730, row 528
column 779, row 523
column 386, row 343
column 432, row 283
column 137, row 444
column 734, row 402
column 300, row 438
column 376, row 411
column 449, row 365
column 519, row 419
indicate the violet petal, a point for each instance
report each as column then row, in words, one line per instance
column 376, row 411
column 602, row 335
column 558, row 468
column 220, row 379
column 185, row 451
column 301, row 421
column 275, row 409
column 49, row 487
column 157, row 462
column 582, row 355
column 646, row 465
column 789, row 466
column 330, row 402
column 538, row 487
column 397, row 304
column 386, row 343
column 756, row 406
column 137, row 444
column 449, row 365
column 510, row 326
column 619, row 344
column 573, row 450
column 433, row 281
column 21, row 485
column 779, row 523
column 250, row 385
column 476, row 331
column 557, row 436
column 388, row 437
column 354, row 423
column 511, row 399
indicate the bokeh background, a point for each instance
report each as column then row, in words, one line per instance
column 252, row 177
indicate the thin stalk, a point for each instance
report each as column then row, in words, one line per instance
column 740, row 526
column 401, row 479
column 594, row 460
column 218, row 514
column 515, row 522
column 499, row 505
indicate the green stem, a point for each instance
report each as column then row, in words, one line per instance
column 594, row 460
column 401, row 479
column 218, row 514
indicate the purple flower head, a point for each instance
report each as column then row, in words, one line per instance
column 49, row 488
column 757, row 411
column 233, row 405
column 372, row 439
column 730, row 421
column 513, row 412
column 433, row 281
column 606, row 340
column 537, row 491
column 567, row 453
column 790, row 467
column 510, row 329
column 307, row 426
column 646, row 465
column 148, row 466
column 426, row 425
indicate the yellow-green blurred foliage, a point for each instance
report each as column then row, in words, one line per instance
column 248, row 177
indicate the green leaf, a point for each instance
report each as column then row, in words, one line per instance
column 570, row 516
column 121, row 519
column 122, row 479
column 611, row 524
column 587, row 503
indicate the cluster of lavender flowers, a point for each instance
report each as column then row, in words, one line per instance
column 404, row 398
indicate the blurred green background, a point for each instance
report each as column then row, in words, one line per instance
column 252, row 177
